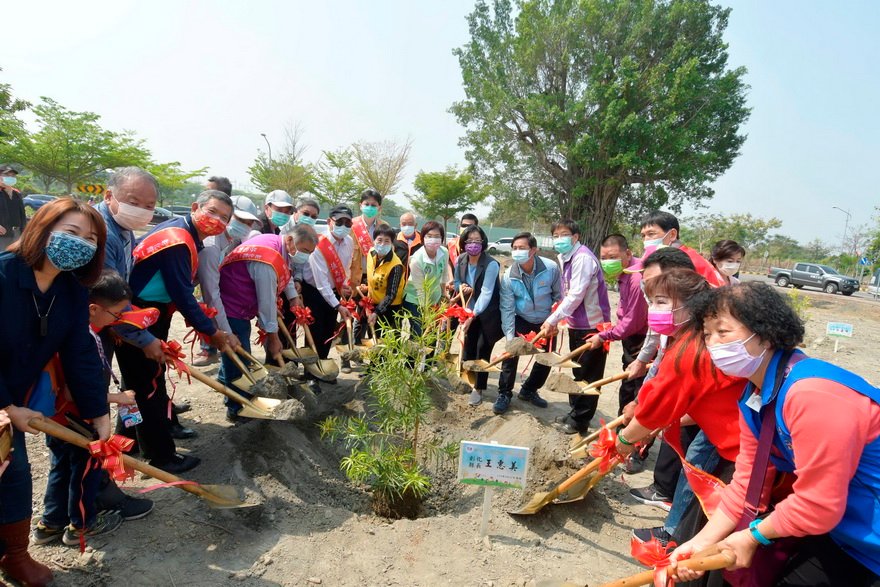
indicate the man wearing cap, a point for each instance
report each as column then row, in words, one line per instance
column 243, row 226
column 326, row 277
column 276, row 211
column 408, row 232
column 12, row 216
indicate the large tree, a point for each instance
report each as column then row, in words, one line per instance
column 334, row 179
column 751, row 232
column 72, row 147
column 601, row 100
column 10, row 124
column 443, row 194
column 286, row 169
column 380, row 165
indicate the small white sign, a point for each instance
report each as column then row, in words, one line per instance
column 839, row 329
column 493, row 465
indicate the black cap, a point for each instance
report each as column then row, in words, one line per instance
column 341, row 211
column 8, row 169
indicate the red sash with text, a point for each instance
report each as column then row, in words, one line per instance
column 261, row 254
column 165, row 239
column 334, row 263
column 362, row 235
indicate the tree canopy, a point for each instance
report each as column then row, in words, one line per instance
column 334, row 179
column 597, row 101
column 443, row 194
column 380, row 165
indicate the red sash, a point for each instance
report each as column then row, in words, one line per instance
column 334, row 263
column 261, row 254
column 705, row 486
column 362, row 235
column 453, row 252
column 164, row 239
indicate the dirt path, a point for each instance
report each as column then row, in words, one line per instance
column 313, row 527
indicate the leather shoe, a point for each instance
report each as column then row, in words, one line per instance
column 179, row 464
column 180, row 408
column 178, row 432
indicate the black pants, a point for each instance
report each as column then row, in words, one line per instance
column 820, row 561
column 325, row 319
column 539, row 372
column 592, row 368
column 147, row 379
column 388, row 320
column 629, row 388
column 668, row 466
column 479, row 341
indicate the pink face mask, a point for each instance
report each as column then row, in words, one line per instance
column 663, row 321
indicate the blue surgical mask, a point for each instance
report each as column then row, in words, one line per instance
column 563, row 244
column 408, row 230
column 68, row 252
column 341, row 232
column 279, row 218
column 307, row 220
column 10, row 181
column 299, row 258
column 382, row 250
column 237, row 229
column 520, row 256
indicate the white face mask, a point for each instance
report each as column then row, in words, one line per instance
column 432, row 242
column 408, row 230
column 132, row 217
column 729, row 268
column 655, row 242
column 733, row 359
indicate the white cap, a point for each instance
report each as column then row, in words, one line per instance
column 245, row 208
column 279, row 198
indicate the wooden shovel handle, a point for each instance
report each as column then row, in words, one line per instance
column 283, row 328
column 60, row 432
column 574, row 353
column 606, row 380
column 580, row 475
column 219, row 387
column 706, row 560
column 349, row 328
column 500, row 358
column 249, row 357
column 233, row 356
column 309, row 338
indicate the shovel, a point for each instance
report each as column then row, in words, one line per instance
column 222, row 496
column 539, row 500
column 710, row 559
column 563, row 383
column 581, row 443
column 303, row 355
column 579, row 490
column 556, row 360
column 256, row 407
column 247, row 379
column 256, row 363
column 323, row 369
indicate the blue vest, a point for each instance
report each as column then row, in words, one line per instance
column 858, row 533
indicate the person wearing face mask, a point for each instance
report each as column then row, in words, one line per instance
column 797, row 415
column 252, row 277
column 385, row 281
column 685, row 384
column 661, row 229
column 727, row 256
column 408, row 232
column 467, row 220
column 244, row 225
column 584, row 307
column 307, row 211
column 44, row 303
column 477, row 278
column 166, row 263
column 529, row 289
column 326, row 278
column 12, row 216
column 277, row 210
column 429, row 272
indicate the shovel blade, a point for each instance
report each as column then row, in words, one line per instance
column 324, row 369
column 224, row 497
column 548, row 359
column 243, row 383
column 537, row 503
column 479, row 366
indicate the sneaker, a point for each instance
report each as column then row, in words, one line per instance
column 647, row 534
column 502, row 403
column 476, row 398
column 649, row 496
column 44, row 534
column 346, row 366
column 181, row 408
column 105, row 523
column 135, row 508
column 204, row 358
column 533, row 398
column 635, row 464
column 179, row 432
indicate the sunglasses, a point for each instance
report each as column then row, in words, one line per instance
column 342, row 221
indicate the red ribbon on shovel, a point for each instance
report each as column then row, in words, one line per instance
column 109, row 453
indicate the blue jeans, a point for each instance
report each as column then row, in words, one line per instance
column 229, row 372
column 702, row 454
column 16, row 484
column 74, row 480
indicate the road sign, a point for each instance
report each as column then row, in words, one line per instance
column 493, row 465
column 90, row 188
column 864, row 261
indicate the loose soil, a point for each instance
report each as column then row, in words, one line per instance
column 311, row 526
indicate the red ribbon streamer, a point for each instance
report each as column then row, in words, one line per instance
column 531, row 336
column 173, row 355
column 261, row 336
column 109, row 453
column 605, row 448
column 602, row 327
column 653, row 554
column 303, row 316
column 456, row 311
column 194, row 335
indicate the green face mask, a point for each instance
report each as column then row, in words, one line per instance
column 370, row 211
column 612, row 267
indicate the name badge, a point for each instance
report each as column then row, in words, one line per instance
column 754, row 402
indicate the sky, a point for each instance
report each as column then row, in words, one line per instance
column 200, row 81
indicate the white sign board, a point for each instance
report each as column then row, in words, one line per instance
column 493, row 465
column 839, row 329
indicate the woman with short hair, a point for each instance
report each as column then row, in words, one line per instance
column 726, row 258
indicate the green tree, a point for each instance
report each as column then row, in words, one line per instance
column 751, row 232
column 172, row 179
column 10, row 124
column 601, row 100
column 444, row 194
column 286, row 170
column 380, row 165
column 334, row 178
column 72, row 147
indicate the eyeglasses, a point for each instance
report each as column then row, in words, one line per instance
column 473, row 242
column 115, row 315
column 342, row 221
column 309, row 214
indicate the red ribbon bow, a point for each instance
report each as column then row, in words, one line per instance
column 194, row 335
column 109, row 453
column 367, row 305
column 605, row 448
column 175, row 356
column 531, row 336
column 303, row 316
column 349, row 305
column 456, row 311
column 653, row 554
column 602, row 327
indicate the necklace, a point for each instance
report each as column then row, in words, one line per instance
column 44, row 318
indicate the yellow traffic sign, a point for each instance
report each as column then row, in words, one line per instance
column 90, row 188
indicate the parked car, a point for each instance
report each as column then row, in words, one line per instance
column 502, row 245
column 321, row 226
column 874, row 285
column 33, row 202
column 179, row 210
column 814, row 275
column 161, row 215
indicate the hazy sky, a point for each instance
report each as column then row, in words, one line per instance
column 201, row 80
